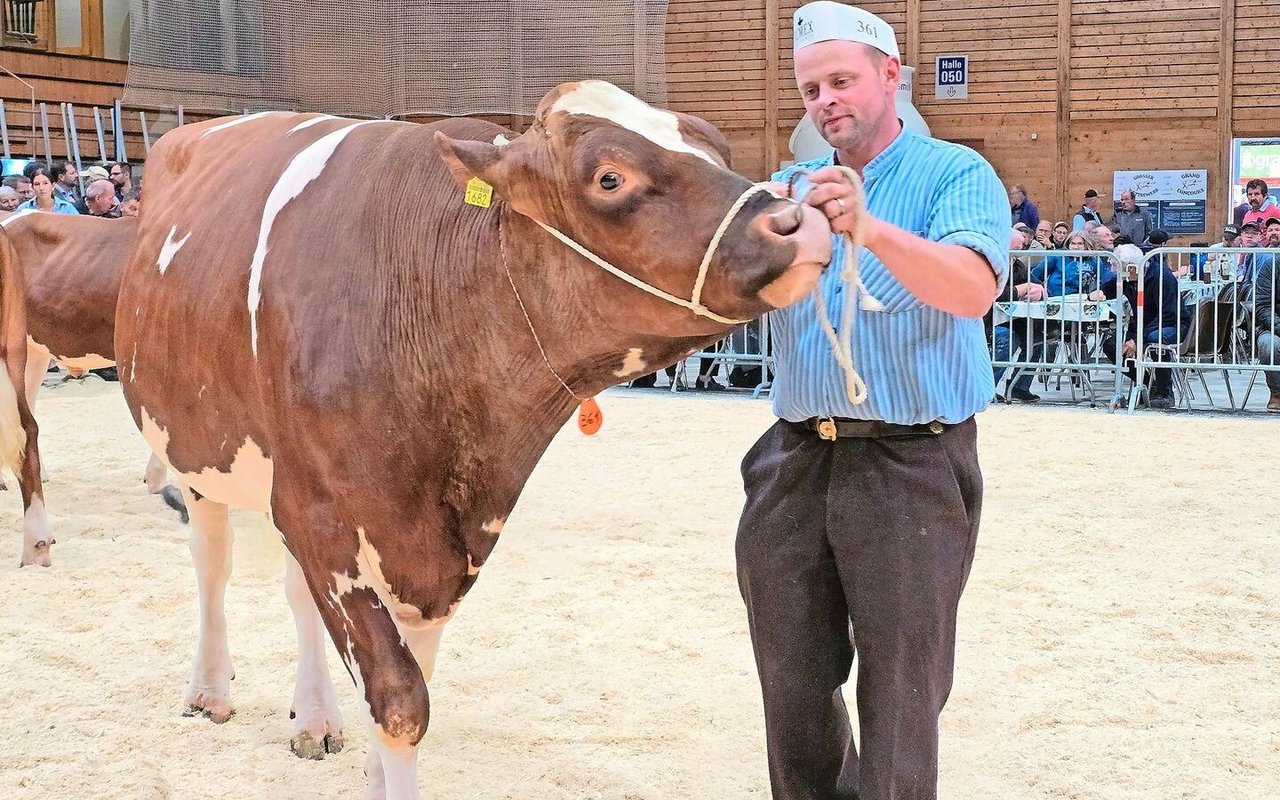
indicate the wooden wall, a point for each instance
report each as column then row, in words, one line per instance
column 1061, row 92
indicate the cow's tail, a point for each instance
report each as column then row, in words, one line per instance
column 13, row 354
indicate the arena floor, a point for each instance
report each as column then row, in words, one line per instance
column 1119, row 639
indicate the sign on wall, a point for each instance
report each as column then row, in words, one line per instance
column 1250, row 158
column 1177, row 199
column 951, row 78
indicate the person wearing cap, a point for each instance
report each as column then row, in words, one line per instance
column 1088, row 212
column 861, row 518
column 1223, row 265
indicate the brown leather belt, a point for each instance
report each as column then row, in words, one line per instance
column 832, row 428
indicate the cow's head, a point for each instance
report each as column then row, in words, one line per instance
column 646, row 189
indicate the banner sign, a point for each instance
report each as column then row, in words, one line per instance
column 1176, row 199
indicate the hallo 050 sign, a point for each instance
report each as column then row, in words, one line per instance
column 951, row 78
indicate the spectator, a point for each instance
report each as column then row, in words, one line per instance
column 1019, row 333
column 1021, row 207
column 122, row 176
column 100, row 197
column 1223, row 265
column 1156, row 238
column 1028, row 235
column 1088, row 212
column 1162, row 321
column 9, row 200
column 1260, row 204
column 1103, row 236
column 1044, row 235
column 1065, row 273
column 22, row 185
column 129, row 205
column 1250, row 237
column 1060, row 232
column 65, row 181
column 46, row 198
column 33, row 166
column 1266, row 329
column 1131, row 221
column 91, row 173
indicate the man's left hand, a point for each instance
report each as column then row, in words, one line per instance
column 837, row 198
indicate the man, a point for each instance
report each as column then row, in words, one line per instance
column 860, row 519
column 100, row 197
column 129, row 205
column 1088, row 212
column 1260, row 204
column 1250, row 237
column 1262, row 309
column 1132, row 222
column 65, row 181
column 1223, row 265
column 1019, row 334
column 122, row 176
column 1104, row 234
column 22, row 185
column 1162, row 322
column 1021, row 207
column 9, row 199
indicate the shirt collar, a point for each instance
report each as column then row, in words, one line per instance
column 887, row 157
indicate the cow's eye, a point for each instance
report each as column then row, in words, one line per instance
column 610, row 181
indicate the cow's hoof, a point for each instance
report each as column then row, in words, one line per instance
column 37, row 552
column 210, row 705
column 304, row 745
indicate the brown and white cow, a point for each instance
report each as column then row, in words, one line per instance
column 70, row 269
column 316, row 325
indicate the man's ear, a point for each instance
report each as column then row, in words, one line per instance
column 467, row 159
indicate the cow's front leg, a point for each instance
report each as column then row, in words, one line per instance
column 209, row 692
column 155, row 474
column 317, row 721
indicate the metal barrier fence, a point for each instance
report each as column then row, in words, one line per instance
column 1055, row 323
column 748, row 347
column 1204, row 312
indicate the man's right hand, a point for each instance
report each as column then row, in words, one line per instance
column 1031, row 292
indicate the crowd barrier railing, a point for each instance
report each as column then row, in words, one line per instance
column 1054, row 322
column 1203, row 311
column 747, row 346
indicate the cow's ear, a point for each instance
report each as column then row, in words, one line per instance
column 468, row 159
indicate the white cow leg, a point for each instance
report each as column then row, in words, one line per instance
column 209, row 692
column 155, row 474
column 317, row 721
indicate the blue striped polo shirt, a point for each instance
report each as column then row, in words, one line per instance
column 920, row 364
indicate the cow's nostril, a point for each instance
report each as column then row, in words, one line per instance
column 787, row 221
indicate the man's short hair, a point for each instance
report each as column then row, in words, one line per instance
column 7, row 190
column 1128, row 253
column 1158, row 237
column 1129, row 192
column 1092, row 225
column 1090, row 193
column 99, row 187
column 59, row 168
column 32, row 167
column 1256, row 183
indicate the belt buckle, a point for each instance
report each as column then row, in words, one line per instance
column 936, row 427
column 827, row 429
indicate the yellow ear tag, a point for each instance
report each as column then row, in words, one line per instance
column 479, row 193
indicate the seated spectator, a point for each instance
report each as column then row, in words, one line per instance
column 1162, row 323
column 1017, row 334
column 1223, row 265
column 1044, row 235
column 1064, row 273
column 1060, row 232
column 22, row 185
column 1266, row 327
column 9, row 200
column 129, row 205
column 1028, row 235
column 1156, row 238
column 1104, row 236
column 100, row 197
column 1250, row 237
column 45, row 199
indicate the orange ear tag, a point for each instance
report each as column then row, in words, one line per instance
column 589, row 417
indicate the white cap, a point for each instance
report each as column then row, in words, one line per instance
column 825, row 20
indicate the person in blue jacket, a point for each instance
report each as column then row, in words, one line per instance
column 45, row 199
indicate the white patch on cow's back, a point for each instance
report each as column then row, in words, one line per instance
column 501, row 140
column 305, row 167
column 606, row 101
column 170, row 248
column 494, row 525
column 240, row 120
column 15, row 216
column 302, row 126
column 245, row 484
column 632, row 364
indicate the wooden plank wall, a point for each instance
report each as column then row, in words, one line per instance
column 1062, row 92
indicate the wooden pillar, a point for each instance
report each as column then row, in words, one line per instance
column 1226, row 102
column 912, row 51
column 1062, row 167
column 772, row 65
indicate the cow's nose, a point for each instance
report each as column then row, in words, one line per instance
column 785, row 222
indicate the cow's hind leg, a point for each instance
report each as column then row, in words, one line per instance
column 317, row 721
column 209, row 692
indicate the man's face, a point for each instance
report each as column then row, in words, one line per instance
column 1273, row 235
column 1105, row 237
column 25, row 192
column 101, row 202
column 847, row 92
column 1015, row 198
column 129, row 208
column 68, row 178
column 9, row 201
column 1127, row 200
column 118, row 175
column 1044, row 230
column 1249, row 237
column 1092, row 203
column 1255, row 196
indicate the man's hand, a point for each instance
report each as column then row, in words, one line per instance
column 1097, row 294
column 1130, row 349
column 1031, row 292
column 837, row 198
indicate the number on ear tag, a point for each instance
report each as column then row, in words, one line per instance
column 589, row 417
column 479, row 193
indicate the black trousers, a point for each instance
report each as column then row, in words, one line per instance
column 862, row 542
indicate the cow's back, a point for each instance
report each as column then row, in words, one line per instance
column 275, row 260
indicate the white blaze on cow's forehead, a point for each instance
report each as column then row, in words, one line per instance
column 246, row 483
column 606, row 101
column 237, row 121
column 302, row 126
column 305, row 167
column 631, row 364
column 15, row 216
column 170, row 248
